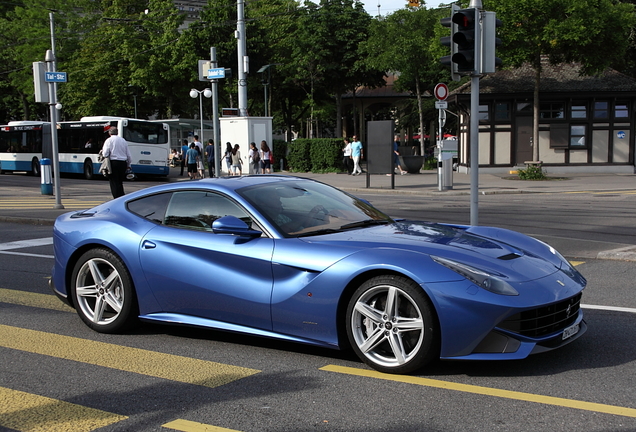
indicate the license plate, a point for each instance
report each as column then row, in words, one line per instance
column 570, row 331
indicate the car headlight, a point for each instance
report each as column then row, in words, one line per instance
column 480, row 278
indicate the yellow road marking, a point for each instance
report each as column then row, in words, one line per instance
column 486, row 391
column 44, row 301
column 576, row 263
column 151, row 363
column 46, row 203
column 27, row 412
column 190, row 426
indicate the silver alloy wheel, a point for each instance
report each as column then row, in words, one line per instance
column 99, row 291
column 387, row 326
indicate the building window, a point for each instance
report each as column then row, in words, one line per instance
column 577, row 136
column 551, row 110
column 621, row 110
column 601, row 110
column 579, row 110
column 524, row 107
column 502, row 112
column 483, row 113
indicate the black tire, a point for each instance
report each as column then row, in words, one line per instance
column 392, row 326
column 88, row 170
column 103, row 292
column 35, row 167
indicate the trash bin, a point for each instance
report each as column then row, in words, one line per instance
column 46, row 184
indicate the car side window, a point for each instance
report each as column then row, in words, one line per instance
column 196, row 210
column 151, row 207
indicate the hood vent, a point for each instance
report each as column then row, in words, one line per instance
column 510, row 256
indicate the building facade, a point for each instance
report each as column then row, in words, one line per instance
column 586, row 123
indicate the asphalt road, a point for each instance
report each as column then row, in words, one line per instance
column 56, row 372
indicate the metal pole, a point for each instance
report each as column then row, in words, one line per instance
column 440, row 161
column 474, row 121
column 51, row 67
column 242, row 58
column 265, row 88
column 215, row 116
column 201, row 117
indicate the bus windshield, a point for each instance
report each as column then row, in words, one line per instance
column 145, row 132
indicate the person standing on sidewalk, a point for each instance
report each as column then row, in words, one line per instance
column 116, row 150
column 199, row 144
column 255, row 159
column 192, row 156
column 184, row 150
column 346, row 156
column 209, row 153
column 356, row 155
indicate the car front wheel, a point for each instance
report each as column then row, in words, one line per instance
column 392, row 326
column 102, row 292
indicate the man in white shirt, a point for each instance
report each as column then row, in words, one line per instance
column 116, row 149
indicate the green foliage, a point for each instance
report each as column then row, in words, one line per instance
column 315, row 155
column 532, row 172
column 595, row 33
column 298, row 156
column 279, row 147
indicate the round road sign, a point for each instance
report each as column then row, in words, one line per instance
column 441, row 91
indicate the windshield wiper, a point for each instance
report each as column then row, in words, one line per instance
column 320, row 232
column 366, row 223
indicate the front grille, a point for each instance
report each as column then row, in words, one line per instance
column 544, row 320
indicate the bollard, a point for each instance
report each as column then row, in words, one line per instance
column 46, row 185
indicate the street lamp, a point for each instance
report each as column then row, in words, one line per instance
column 133, row 89
column 265, row 81
column 200, row 93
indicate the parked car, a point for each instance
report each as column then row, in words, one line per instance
column 298, row 260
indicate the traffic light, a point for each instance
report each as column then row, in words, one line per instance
column 448, row 41
column 464, row 37
column 489, row 42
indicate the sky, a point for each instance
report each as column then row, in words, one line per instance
column 389, row 6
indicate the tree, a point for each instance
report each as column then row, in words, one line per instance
column 25, row 36
column 594, row 33
column 407, row 43
column 128, row 46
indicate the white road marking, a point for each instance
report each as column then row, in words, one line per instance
column 609, row 308
column 4, row 247
column 26, row 243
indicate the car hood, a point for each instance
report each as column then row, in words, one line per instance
column 519, row 257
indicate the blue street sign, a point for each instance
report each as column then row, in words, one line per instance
column 216, row 73
column 55, row 76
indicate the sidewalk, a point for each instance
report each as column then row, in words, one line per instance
column 426, row 183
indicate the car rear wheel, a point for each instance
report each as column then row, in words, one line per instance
column 392, row 326
column 102, row 292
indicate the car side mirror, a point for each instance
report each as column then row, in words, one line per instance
column 234, row 226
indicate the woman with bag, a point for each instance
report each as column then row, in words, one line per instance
column 266, row 155
column 228, row 157
column 255, row 159
column 236, row 161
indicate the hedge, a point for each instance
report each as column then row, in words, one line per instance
column 315, row 155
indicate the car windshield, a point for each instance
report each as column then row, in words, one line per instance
column 304, row 208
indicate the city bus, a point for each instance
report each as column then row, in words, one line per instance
column 22, row 145
column 79, row 143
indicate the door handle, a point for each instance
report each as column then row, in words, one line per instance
column 147, row 244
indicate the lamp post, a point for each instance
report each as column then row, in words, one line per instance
column 200, row 93
column 133, row 90
column 265, row 80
